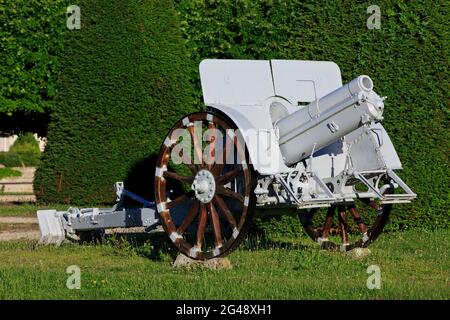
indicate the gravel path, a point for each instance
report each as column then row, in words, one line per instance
column 15, row 220
column 22, row 234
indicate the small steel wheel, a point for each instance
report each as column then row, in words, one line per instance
column 211, row 213
column 368, row 219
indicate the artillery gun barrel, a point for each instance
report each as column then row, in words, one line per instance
column 329, row 118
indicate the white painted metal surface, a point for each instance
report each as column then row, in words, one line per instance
column 245, row 90
column 386, row 148
column 51, row 227
column 236, row 82
column 249, row 90
column 305, row 81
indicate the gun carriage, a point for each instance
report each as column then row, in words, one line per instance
column 276, row 137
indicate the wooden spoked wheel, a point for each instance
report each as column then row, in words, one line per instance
column 211, row 214
column 357, row 224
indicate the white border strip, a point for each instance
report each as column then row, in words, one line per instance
column 161, row 207
column 174, row 236
column 186, row 121
column 168, row 142
column 159, row 172
column 235, row 233
column 193, row 252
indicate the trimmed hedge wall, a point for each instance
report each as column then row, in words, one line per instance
column 407, row 59
column 122, row 86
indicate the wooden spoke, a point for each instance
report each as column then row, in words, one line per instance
column 229, row 146
column 193, row 168
column 179, row 177
column 224, row 208
column 216, row 224
column 229, row 193
column 306, row 217
column 374, row 205
column 230, row 175
column 212, row 145
column 358, row 219
column 193, row 211
column 197, row 145
column 373, row 211
column 201, row 227
column 342, row 224
column 179, row 199
column 328, row 222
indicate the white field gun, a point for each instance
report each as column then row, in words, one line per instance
column 277, row 137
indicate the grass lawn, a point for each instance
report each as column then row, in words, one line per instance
column 414, row 265
column 26, row 209
column 8, row 172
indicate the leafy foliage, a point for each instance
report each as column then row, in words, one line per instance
column 8, row 172
column 24, row 152
column 123, row 84
column 407, row 58
column 25, row 143
column 31, row 37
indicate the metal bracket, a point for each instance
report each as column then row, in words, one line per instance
column 121, row 193
column 400, row 182
column 118, row 186
column 363, row 179
column 133, row 196
column 399, row 198
column 323, row 186
column 302, row 202
column 287, row 188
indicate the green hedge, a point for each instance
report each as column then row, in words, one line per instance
column 31, row 37
column 24, row 152
column 123, row 84
column 26, row 159
column 407, row 59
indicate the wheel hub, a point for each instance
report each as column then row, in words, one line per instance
column 204, row 186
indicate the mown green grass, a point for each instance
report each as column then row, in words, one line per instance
column 414, row 265
column 26, row 209
column 8, row 172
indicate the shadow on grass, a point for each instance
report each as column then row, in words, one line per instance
column 157, row 246
column 256, row 242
